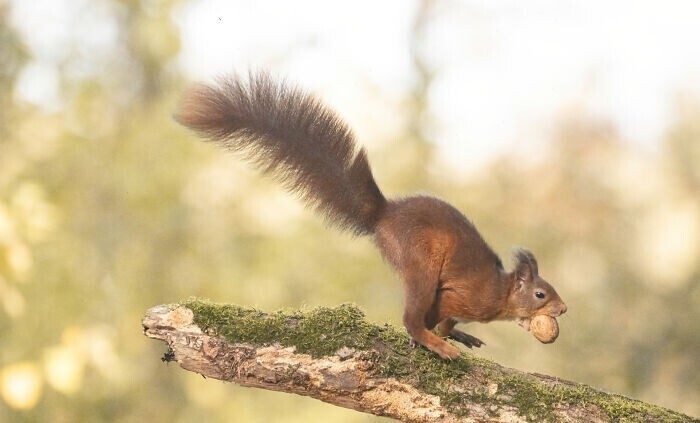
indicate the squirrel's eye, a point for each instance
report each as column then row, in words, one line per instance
column 539, row 294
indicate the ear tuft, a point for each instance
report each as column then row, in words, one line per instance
column 525, row 265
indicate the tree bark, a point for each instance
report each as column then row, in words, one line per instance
column 361, row 379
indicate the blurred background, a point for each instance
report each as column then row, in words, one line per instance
column 568, row 127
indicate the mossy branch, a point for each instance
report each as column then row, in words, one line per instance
column 335, row 355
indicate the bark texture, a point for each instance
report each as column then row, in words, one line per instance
column 334, row 355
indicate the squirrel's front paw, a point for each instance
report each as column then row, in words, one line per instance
column 466, row 339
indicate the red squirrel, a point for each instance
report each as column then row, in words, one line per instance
column 450, row 273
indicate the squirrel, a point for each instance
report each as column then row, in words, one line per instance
column 450, row 273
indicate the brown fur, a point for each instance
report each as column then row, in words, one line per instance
column 294, row 137
column 450, row 274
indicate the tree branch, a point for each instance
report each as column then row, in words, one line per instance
column 335, row 355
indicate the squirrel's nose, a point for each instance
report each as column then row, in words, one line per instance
column 563, row 309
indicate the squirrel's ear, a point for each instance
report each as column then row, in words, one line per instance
column 523, row 272
column 525, row 265
column 533, row 262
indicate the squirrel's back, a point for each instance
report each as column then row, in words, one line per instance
column 293, row 136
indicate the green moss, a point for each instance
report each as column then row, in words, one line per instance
column 318, row 332
column 323, row 331
column 537, row 401
column 622, row 409
column 533, row 401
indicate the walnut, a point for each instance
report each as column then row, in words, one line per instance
column 545, row 328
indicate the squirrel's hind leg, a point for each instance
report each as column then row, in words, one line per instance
column 447, row 328
column 420, row 287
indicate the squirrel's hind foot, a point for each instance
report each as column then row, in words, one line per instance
column 466, row 339
column 443, row 348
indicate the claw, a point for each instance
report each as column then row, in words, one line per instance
column 524, row 323
column 466, row 339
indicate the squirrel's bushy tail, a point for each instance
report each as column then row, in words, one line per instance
column 294, row 137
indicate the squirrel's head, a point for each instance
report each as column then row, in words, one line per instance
column 529, row 294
